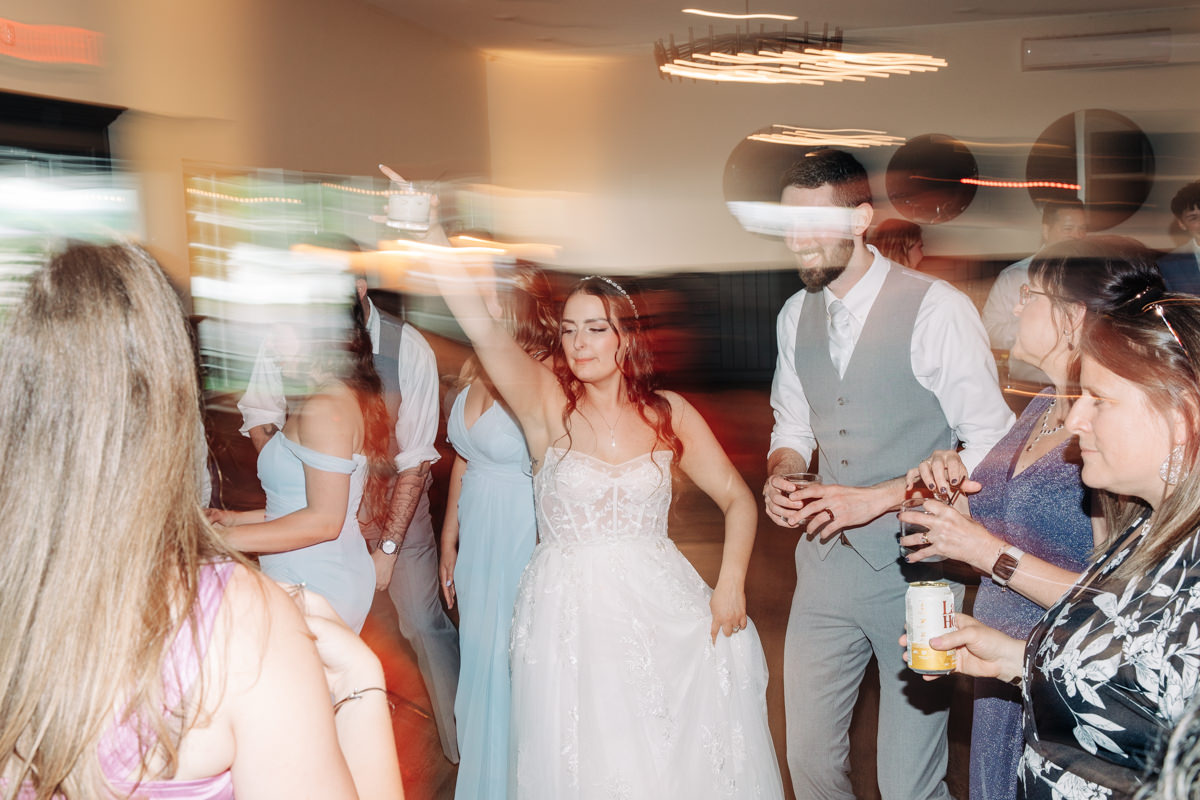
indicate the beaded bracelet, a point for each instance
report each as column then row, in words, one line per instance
column 357, row 694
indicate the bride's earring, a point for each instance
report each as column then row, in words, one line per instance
column 1172, row 471
column 1070, row 339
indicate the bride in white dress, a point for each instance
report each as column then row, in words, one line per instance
column 631, row 677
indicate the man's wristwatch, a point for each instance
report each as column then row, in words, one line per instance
column 1006, row 565
column 388, row 546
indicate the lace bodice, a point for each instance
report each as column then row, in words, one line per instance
column 584, row 500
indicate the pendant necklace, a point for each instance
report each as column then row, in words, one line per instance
column 612, row 429
column 1046, row 431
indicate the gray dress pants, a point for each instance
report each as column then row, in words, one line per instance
column 423, row 621
column 842, row 612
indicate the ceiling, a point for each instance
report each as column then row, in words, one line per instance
column 614, row 26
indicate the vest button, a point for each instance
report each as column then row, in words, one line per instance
column 845, row 463
column 841, row 401
column 842, row 432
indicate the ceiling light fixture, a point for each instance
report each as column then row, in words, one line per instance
column 818, row 137
column 780, row 57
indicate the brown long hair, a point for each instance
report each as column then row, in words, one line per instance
column 363, row 380
column 637, row 367
column 1139, row 344
column 103, row 535
column 527, row 312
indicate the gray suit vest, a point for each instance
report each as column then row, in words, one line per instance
column 876, row 421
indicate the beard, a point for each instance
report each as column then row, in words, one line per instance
column 833, row 261
column 818, row 278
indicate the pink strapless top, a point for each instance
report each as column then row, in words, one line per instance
column 119, row 752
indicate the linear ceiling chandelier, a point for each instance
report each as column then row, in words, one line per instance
column 780, row 57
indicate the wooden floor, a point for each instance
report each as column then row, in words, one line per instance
column 742, row 420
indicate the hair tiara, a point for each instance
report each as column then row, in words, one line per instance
column 618, row 287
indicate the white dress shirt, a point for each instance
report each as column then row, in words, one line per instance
column 950, row 357
column 998, row 316
column 417, row 422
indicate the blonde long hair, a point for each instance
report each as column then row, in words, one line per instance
column 103, row 533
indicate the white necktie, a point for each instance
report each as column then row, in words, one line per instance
column 841, row 341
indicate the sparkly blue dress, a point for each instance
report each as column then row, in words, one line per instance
column 1043, row 511
column 497, row 530
column 340, row 570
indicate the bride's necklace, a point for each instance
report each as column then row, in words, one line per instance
column 612, row 429
column 1045, row 431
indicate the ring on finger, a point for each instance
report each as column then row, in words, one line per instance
column 925, row 537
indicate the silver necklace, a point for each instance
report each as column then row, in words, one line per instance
column 612, row 429
column 1046, row 431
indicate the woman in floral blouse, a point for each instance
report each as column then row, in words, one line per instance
column 1111, row 666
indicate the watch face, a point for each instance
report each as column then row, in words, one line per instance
column 1006, row 565
column 387, row 546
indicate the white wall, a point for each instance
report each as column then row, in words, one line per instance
column 293, row 84
column 647, row 156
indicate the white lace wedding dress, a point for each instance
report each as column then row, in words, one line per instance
column 618, row 690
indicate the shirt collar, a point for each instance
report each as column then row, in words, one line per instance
column 861, row 297
column 373, row 326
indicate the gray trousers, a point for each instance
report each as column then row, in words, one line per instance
column 842, row 612
column 423, row 621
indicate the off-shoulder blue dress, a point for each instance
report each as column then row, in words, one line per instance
column 341, row 569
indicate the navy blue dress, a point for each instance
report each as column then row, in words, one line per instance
column 1043, row 511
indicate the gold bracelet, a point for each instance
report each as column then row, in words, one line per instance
column 358, row 693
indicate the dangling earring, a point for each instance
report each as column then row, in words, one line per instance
column 1069, row 338
column 1172, row 471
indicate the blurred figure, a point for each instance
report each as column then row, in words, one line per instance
column 630, row 676
column 899, row 240
column 1062, row 220
column 315, row 471
column 1035, row 525
column 142, row 656
column 878, row 367
column 1181, row 267
column 406, row 558
column 1110, row 669
column 488, row 535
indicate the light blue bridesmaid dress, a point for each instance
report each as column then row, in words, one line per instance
column 497, row 530
column 341, row 569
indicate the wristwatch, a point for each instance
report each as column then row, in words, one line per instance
column 388, row 546
column 1006, row 565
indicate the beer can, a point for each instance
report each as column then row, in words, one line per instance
column 929, row 611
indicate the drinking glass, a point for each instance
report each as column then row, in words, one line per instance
column 909, row 528
column 802, row 479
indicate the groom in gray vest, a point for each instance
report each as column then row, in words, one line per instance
column 878, row 366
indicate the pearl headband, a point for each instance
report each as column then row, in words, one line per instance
column 619, row 288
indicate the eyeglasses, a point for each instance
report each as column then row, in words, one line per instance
column 1027, row 294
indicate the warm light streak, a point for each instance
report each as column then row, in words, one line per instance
column 246, row 200
column 703, row 13
column 1074, row 187
column 818, row 137
column 807, row 67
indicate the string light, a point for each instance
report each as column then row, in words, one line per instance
column 356, row 190
column 1074, row 187
column 245, row 200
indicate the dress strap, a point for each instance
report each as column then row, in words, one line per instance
column 321, row 461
